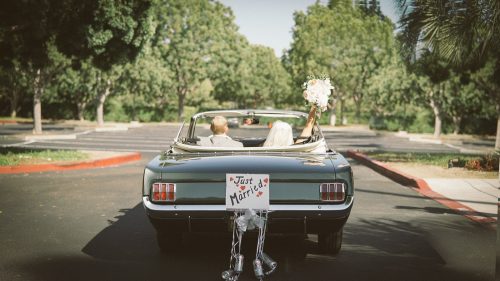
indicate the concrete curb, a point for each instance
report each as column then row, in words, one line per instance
column 121, row 159
column 421, row 187
column 10, row 122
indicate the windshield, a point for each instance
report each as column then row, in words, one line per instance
column 255, row 131
column 248, row 127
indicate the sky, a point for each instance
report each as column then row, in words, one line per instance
column 270, row 22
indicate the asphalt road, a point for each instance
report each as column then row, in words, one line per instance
column 155, row 138
column 90, row 225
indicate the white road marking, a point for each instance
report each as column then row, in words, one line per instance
column 18, row 144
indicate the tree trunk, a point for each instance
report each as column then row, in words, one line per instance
column 37, row 103
column 457, row 121
column 358, row 112
column 497, row 142
column 437, row 118
column 100, row 103
column 13, row 103
column 180, row 114
column 341, row 111
column 333, row 118
column 333, row 114
column 80, row 107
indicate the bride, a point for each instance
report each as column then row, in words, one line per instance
column 281, row 133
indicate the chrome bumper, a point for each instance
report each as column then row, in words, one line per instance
column 178, row 211
column 296, row 218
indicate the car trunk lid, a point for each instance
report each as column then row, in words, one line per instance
column 201, row 179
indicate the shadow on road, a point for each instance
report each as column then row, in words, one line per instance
column 126, row 250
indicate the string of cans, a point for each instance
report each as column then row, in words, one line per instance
column 243, row 221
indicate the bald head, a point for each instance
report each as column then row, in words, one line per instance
column 219, row 125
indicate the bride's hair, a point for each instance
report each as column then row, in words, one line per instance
column 279, row 135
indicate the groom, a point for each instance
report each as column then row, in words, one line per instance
column 219, row 138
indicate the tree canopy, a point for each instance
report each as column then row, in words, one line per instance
column 152, row 60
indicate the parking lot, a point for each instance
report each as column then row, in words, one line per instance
column 90, row 225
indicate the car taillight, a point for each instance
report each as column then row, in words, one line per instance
column 332, row 192
column 163, row 192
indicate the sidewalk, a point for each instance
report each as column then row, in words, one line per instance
column 481, row 195
column 467, row 144
column 474, row 198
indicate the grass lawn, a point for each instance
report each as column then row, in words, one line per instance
column 17, row 119
column 436, row 159
column 18, row 157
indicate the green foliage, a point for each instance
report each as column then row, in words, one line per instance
column 464, row 34
column 14, row 86
column 343, row 42
column 108, row 32
column 165, row 60
column 260, row 80
column 197, row 35
column 422, row 122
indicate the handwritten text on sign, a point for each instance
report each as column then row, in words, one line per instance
column 247, row 191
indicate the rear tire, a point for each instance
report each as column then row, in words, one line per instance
column 330, row 242
column 169, row 242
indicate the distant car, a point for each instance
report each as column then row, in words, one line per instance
column 311, row 186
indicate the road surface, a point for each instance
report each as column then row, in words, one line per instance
column 90, row 225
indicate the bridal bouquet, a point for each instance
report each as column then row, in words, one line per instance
column 317, row 92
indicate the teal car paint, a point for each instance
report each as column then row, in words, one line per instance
column 296, row 205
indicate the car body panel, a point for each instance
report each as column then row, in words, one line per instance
column 295, row 172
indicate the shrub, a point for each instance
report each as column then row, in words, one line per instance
column 485, row 163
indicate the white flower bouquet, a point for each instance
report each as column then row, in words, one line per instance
column 317, row 92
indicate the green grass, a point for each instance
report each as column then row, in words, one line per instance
column 16, row 119
column 15, row 157
column 440, row 159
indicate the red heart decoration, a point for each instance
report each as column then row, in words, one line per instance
column 260, row 193
column 266, row 180
column 242, row 187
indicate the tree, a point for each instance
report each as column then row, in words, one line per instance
column 390, row 86
column 79, row 86
column 466, row 33
column 13, row 85
column 342, row 42
column 106, row 31
column 260, row 79
column 146, row 83
column 191, row 36
column 432, row 72
column 462, row 99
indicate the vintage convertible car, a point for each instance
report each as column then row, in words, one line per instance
column 311, row 186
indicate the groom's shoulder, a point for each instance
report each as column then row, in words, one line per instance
column 225, row 141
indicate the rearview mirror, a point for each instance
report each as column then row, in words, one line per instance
column 251, row 121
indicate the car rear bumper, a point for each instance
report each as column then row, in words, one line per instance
column 283, row 218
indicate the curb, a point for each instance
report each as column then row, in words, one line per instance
column 421, row 187
column 10, row 122
column 73, row 166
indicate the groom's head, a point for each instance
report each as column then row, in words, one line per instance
column 219, row 125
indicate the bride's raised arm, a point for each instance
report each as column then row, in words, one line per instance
column 307, row 131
